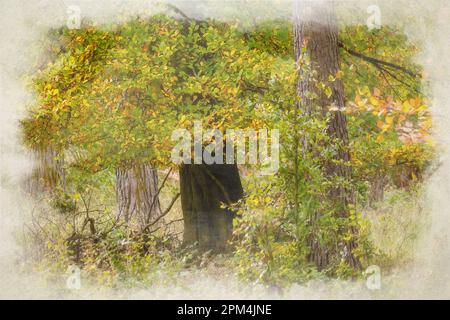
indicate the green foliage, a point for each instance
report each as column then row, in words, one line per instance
column 279, row 214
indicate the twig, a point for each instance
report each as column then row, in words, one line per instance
column 163, row 214
column 159, row 191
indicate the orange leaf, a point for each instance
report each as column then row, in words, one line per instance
column 380, row 124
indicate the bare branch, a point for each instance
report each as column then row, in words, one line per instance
column 377, row 62
column 163, row 214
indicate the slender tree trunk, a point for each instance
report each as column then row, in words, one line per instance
column 204, row 188
column 137, row 194
column 377, row 185
column 48, row 172
column 316, row 35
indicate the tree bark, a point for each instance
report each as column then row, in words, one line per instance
column 204, row 188
column 137, row 195
column 316, row 35
column 48, row 172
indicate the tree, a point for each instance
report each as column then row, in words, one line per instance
column 219, row 78
column 115, row 96
column 206, row 188
column 316, row 40
column 137, row 194
column 68, row 107
column 48, row 172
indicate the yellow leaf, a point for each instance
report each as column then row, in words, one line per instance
column 374, row 101
column 406, row 107
column 389, row 120
column 380, row 138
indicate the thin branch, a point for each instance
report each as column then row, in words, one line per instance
column 383, row 73
column 178, row 11
column 155, row 197
column 377, row 62
column 163, row 214
column 401, row 81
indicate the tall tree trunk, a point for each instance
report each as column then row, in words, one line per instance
column 204, row 188
column 316, row 35
column 137, row 194
column 48, row 172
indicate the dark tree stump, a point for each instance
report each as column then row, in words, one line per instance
column 204, row 188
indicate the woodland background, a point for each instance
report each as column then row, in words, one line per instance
column 108, row 196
